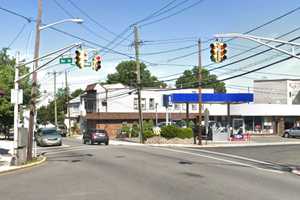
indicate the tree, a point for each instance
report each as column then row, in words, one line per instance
column 189, row 80
column 126, row 74
column 76, row 93
column 47, row 114
column 7, row 73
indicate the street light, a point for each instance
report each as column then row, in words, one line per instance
column 75, row 20
column 38, row 29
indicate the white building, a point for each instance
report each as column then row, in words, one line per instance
column 278, row 91
column 108, row 106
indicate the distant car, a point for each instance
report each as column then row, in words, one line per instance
column 292, row 132
column 95, row 136
column 48, row 137
column 62, row 129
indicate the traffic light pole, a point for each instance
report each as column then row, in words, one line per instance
column 200, row 93
column 138, row 69
column 34, row 81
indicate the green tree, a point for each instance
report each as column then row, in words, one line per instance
column 76, row 93
column 126, row 74
column 45, row 114
column 189, row 80
column 7, row 73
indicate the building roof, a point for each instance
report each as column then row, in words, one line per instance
column 273, row 80
column 75, row 100
column 91, row 87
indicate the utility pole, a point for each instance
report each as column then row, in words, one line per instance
column 68, row 99
column 54, row 95
column 34, row 81
column 16, row 106
column 200, row 93
column 138, row 69
column 55, row 103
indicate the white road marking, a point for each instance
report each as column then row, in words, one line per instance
column 234, row 156
column 221, row 159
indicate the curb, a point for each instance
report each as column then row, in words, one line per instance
column 16, row 168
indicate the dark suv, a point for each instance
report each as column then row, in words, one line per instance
column 95, row 136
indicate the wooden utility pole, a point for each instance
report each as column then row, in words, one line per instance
column 34, row 81
column 138, row 69
column 200, row 93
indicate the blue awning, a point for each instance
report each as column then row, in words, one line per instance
column 212, row 98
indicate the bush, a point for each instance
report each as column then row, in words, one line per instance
column 125, row 130
column 169, row 131
column 135, row 130
column 172, row 131
column 148, row 134
column 191, row 124
column 185, row 133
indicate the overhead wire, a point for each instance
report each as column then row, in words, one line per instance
column 249, row 31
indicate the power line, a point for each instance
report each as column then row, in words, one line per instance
column 253, row 55
column 249, row 31
column 16, row 14
column 156, row 13
column 173, row 14
column 91, row 18
column 18, row 35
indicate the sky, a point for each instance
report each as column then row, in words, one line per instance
column 182, row 30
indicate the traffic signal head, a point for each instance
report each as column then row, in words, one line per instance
column 223, row 51
column 97, row 62
column 214, row 52
column 80, row 58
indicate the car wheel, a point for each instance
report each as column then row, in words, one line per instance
column 106, row 143
column 83, row 142
column 286, row 135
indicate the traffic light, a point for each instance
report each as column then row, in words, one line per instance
column 222, row 51
column 80, row 58
column 214, row 52
column 97, row 62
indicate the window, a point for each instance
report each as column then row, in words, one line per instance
column 177, row 106
column 143, row 102
column 135, row 104
column 194, row 107
column 151, row 104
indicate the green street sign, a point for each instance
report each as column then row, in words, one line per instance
column 65, row 61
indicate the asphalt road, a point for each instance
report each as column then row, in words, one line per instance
column 138, row 172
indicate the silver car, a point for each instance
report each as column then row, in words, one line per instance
column 292, row 132
column 48, row 137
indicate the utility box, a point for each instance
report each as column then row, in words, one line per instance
column 22, row 137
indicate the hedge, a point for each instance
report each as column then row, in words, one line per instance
column 172, row 131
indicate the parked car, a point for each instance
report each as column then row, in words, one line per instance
column 292, row 132
column 62, row 129
column 95, row 136
column 48, row 137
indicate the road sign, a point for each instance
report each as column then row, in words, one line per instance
column 16, row 95
column 65, row 61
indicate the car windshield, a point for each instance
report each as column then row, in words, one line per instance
column 50, row 132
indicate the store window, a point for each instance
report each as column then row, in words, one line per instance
column 143, row 102
column 194, row 107
column 177, row 106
